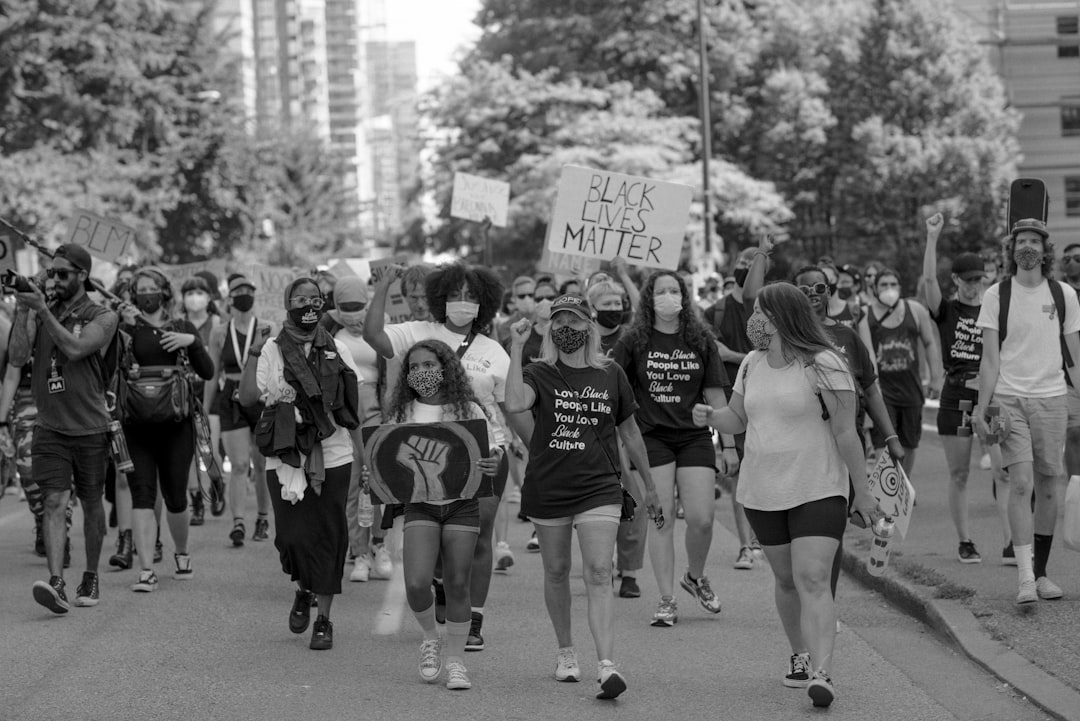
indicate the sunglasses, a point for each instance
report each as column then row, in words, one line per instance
column 352, row 307
column 815, row 289
column 300, row 301
column 1070, row 259
column 539, row 298
column 60, row 273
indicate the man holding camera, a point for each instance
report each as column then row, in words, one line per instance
column 70, row 446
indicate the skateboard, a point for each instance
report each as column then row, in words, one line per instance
column 1028, row 199
column 998, row 422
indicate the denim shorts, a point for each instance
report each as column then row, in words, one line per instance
column 605, row 514
column 1037, row 434
column 459, row 515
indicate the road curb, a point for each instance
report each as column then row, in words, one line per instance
column 954, row 622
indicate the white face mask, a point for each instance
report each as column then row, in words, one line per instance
column 461, row 313
column 889, row 296
column 196, row 301
column 352, row 319
column 667, row 306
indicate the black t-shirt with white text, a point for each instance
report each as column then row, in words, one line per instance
column 961, row 338
column 576, row 409
column 669, row 377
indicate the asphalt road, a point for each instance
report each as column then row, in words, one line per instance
column 218, row 647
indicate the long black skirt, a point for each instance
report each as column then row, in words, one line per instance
column 311, row 535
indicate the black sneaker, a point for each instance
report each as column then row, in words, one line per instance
column 820, row 690
column 475, row 642
column 236, row 535
column 39, row 537
column 798, row 675
column 1008, row 556
column 300, row 615
column 967, row 553
column 87, row 592
column 51, row 595
column 217, row 497
column 262, row 530
column 322, row 635
column 440, row 601
column 628, row 588
column 198, row 509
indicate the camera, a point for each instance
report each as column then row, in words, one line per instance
column 16, row 283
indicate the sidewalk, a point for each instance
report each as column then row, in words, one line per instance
column 1035, row 649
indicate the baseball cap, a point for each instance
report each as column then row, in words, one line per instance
column 572, row 303
column 968, row 266
column 239, row 281
column 79, row 258
column 1032, row 224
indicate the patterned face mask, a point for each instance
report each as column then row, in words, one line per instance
column 426, row 382
column 567, row 339
column 756, row 333
column 1027, row 257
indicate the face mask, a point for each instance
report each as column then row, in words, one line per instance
column 845, row 293
column 740, row 276
column 196, row 302
column 756, row 333
column 611, row 318
column 426, row 382
column 1027, row 257
column 148, row 302
column 351, row 319
column 889, row 296
column 243, row 303
column 461, row 313
column 525, row 306
column 568, row 339
column 543, row 310
column 667, row 306
column 305, row 318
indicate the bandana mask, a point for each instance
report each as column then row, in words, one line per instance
column 756, row 333
column 568, row 339
column 425, row 382
column 1027, row 257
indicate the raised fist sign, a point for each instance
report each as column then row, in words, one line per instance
column 426, row 459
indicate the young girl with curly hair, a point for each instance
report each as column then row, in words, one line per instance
column 434, row 387
column 672, row 362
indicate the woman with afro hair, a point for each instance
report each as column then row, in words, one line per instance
column 463, row 301
column 673, row 363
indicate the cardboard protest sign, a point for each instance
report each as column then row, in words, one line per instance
column 476, row 198
column 416, row 462
column 604, row 215
column 893, row 491
column 270, row 284
column 578, row 266
column 102, row 238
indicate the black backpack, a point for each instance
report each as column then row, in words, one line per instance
column 1005, row 293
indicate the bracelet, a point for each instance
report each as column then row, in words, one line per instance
column 727, row 448
column 760, row 252
column 889, row 438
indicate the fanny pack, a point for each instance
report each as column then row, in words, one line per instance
column 156, row 394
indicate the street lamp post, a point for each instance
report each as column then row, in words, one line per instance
column 706, row 126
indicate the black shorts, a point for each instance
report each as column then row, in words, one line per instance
column 233, row 415
column 825, row 517
column 949, row 417
column 59, row 461
column 685, row 448
column 907, row 420
column 460, row 515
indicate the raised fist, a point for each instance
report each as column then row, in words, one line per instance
column 426, row 459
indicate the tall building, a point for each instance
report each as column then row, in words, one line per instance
column 1035, row 47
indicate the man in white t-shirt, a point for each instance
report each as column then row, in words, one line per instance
column 1023, row 372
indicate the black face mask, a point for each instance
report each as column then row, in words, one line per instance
column 845, row 293
column 148, row 302
column 305, row 318
column 740, row 276
column 611, row 318
column 243, row 303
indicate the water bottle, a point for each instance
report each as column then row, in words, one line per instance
column 879, row 546
column 119, row 447
column 365, row 516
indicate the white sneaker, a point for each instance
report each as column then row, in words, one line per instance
column 611, row 681
column 1047, row 589
column 383, row 567
column 456, row 677
column 533, row 544
column 361, row 570
column 430, row 660
column 567, row 668
column 504, row 557
column 1027, row 593
column 745, row 561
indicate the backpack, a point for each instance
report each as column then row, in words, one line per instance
column 714, row 315
column 1005, row 293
